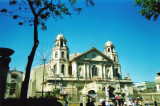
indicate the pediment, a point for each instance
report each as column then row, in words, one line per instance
column 93, row 55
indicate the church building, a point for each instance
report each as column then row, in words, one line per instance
column 80, row 74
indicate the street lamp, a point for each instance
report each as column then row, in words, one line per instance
column 55, row 78
column 54, row 71
column 44, row 60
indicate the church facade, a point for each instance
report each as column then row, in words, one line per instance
column 80, row 73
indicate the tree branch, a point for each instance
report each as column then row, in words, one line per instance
column 45, row 8
column 30, row 4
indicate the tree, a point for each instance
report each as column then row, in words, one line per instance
column 149, row 8
column 41, row 11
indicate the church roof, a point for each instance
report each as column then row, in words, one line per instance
column 74, row 55
column 92, row 49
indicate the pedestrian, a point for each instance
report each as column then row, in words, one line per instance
column 103, row 103
column 140, row 103
column 92, row 103
column 107, row 103
column 133, row 104
column 147, row 103
column 155, row 103
column 130, row 103
column 125, row 103
column 121, row 102
column 66, row 103
column 88, row 103
column 137, row 102
column 116, row 103
column 111, row 103
column 81, row 104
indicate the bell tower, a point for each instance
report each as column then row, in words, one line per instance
column 60, row 56
column 109, row 50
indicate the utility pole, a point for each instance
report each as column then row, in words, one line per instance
column 55, row 78
column 55, row 81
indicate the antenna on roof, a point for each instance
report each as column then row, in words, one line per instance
column 14, row 68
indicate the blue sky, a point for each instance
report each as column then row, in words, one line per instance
column 136, row 40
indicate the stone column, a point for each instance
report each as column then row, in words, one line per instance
column 67, row 69
column 74, row 68
column 77, row 71
column 59, row 68
column 101, row 71
column 84, row 100
column 85, row 71
column 90, row 72
column 112, row 72
column 104, row 71
column 88, row 76
column 4, row 68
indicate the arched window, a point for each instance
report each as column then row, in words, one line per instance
column 114, row 59
column 80, row 72
column 107, row 73
column 61, row 43
column 12, row 87
column 55, row 68
column 108, row 49
column 91, row 92
column 116, row 73
column 94, row 71
column 56, row 55
column 67, row 55
column 63, row 66
column 62, row 54
column 70, row 69
column 58, row 44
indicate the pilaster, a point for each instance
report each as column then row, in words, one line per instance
column 105, row 67
column 112, row 72
column 101, row 69
column 84, row 71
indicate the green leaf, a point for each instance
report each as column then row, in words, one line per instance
column 52, row 8
column 57, row 12
column 43, row 16
column 43, row 26
column 4, row 10
column 38, row 3
column 15, row 16
column 12, row 2
column 20, row 23
column 78, row 9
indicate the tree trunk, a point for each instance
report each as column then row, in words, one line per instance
column 24, row 89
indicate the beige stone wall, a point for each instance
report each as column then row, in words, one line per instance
column 36, row 79
column 151, row 97
column 17, row 81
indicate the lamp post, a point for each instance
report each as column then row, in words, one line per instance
column 54, row 71
column 44, row 60
column 55, row 78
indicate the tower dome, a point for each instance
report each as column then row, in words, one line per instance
column 109, row 43
column 60, row 36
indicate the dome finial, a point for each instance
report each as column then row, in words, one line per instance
column 60, row 31
column 92, row 44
